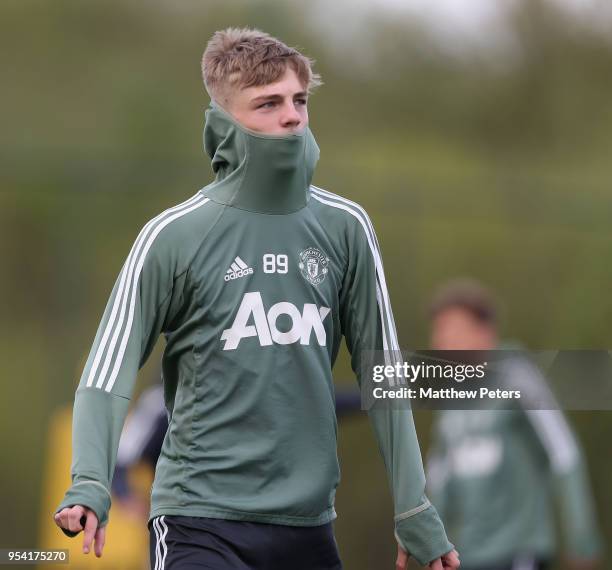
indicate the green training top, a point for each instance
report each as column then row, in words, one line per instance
column 253, row 282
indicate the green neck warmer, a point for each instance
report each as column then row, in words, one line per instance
column 261, row 173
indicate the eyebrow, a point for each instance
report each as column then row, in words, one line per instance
column 276, row 97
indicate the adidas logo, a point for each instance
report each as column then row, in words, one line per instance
column 237, row 269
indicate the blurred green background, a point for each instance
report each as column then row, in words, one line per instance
column 488, row 158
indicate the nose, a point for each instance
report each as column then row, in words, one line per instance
column 290, row 117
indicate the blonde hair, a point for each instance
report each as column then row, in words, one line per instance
column 237, row 58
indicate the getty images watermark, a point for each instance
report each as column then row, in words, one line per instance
column 494, row 379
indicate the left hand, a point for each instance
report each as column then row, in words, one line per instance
column 449, row 560
column 401, row 562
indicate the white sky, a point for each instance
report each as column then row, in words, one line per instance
column 455, row 23
column 471, row 15
column 473, row 20
column 468, row 11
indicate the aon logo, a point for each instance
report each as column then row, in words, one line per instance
column 302, row 324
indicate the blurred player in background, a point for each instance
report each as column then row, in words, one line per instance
column 494, row 475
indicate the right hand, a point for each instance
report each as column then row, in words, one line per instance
column 448, row 560
column 70, row 519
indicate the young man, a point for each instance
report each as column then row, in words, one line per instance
column 493, row 474
column 253, row 282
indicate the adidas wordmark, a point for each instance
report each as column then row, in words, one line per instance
column 237, row 269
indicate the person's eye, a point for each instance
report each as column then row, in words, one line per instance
column 267, row 105
column 301, row 101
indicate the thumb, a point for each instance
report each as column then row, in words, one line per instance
column 401, row 562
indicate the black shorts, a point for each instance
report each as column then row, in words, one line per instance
column 190, row 543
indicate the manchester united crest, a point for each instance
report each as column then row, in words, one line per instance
column 313, row 265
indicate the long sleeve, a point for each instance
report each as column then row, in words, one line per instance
column 570, row 483
column 562, row 450
column 367, row 324
column 139, row 305
column 439, row 482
